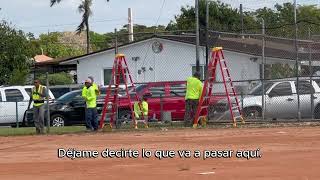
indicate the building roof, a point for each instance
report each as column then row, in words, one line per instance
column 55, row 61
column 274, row 47
column 42, row 58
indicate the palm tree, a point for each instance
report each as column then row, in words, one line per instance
column 85, row 9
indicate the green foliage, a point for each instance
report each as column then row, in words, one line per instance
column 14, row 54
column 282, row 71
column 99, row 41
column 279, row 21
column 18, row 77
column 52, row 46
column 57, row 79
column 222, row 17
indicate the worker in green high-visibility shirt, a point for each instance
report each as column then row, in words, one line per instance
column 38, row 95
column 143, row 112
column 89, row 95
column 84, row 92
column 193, row 94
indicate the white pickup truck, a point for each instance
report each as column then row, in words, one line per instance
column 8, row 97
column 281, row 100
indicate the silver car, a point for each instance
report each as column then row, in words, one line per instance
column 281, row 101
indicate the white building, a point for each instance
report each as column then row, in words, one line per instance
column 166, row 59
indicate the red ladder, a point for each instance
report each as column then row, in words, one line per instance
column 204, row 102
column 119, row 70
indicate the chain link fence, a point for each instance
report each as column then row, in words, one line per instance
column 262, row 67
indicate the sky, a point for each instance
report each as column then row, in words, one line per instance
column 38, row 17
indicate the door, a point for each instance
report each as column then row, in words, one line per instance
column 13, row 98
column 175, row 103
column 305, row 90
column 77, row 115
column 281, row 102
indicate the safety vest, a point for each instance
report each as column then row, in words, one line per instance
column 137, row 111
column 37, row 99
column 90, row 97
column 194, row 88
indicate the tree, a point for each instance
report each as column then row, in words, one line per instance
column 100, row 41
column 57, row 79
column 85, row 9
column 15, row 55
column 279, row 21
column 53, row 46
column 222, row 17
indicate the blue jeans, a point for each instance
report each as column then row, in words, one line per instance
column 91, row 118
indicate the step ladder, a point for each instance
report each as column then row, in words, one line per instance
column 217, row 58
column 119, row 70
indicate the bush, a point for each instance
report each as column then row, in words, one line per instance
column 57, row 79
column 18, row 77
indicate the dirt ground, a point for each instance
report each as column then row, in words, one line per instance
column 286, row 153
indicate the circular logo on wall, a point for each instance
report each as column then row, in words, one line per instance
column 157, row 47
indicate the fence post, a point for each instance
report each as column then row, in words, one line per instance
column 310, row 74
column 48, row 109
column 297, row 58
column 17, row 115
column 161, row 108
column 263, row 63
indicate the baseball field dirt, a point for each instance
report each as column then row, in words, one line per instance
column 283, row 153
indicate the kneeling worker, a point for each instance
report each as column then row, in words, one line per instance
column 141, row 113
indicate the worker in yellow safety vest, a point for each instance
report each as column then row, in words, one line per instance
column 89, row 95
column 194, row 90
column 143, row 112
column 38, row 95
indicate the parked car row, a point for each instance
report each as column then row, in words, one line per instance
column 163, row 96
column 69, row 109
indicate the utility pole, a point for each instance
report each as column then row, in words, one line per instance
column 116, row 41
column 197, row 36
column 263, row 63
column 130, row 25
column 241, row 16
column 207, row 34
column 297, row 64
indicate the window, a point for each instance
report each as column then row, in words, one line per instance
column 28, row 90
column 304, row 87
column 107, row 73
column 13, row 95
column 282, row 89
column 178, row 90
column 157, row 91
column 201, row 71
column 256, row 91
column 58, row 92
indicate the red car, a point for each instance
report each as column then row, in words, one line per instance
column 164, row 96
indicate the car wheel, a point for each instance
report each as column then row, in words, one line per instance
column 57, row 120
column 211, row 112
column 125, row 115
column 252, row 113
column 317, row 112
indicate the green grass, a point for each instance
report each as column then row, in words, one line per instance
column 31, row 130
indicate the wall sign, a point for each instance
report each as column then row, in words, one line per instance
column 157, row 47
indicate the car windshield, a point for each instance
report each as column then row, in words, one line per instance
column 258, row 89
column 68, row 96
